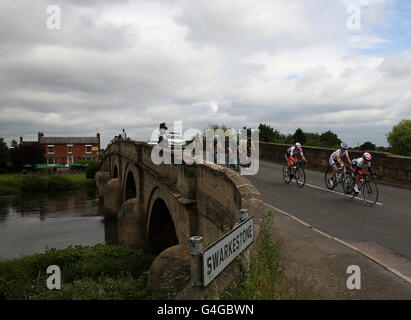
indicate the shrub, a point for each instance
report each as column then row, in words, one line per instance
column 87, row 273
column 92, row 168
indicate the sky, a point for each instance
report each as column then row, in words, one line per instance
column 318, row 65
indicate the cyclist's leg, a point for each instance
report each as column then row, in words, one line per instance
column 335, row 169
column 290, row 162
column 358, row 174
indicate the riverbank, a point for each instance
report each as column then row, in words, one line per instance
column 100, row 272
column 11, row 184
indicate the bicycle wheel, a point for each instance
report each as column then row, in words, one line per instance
column 300, row 177
column 286, row 174
column 370, row 193
column 329, row 181
column 347, row 184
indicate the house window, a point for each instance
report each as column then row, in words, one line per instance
column 88, row 149
column 70, row 148
column 50, row 149
column 51, row 160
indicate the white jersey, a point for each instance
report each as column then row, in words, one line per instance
column 360, row 163
column 338, row 153
column 293, row 151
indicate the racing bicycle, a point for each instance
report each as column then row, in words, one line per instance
column 367, row 186
column 330, row 181
column 296, row 172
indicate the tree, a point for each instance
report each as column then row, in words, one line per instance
column 13, row 144
column 384, row 149
column 299, row 136
column 313, row 139
column 368, row 146
column 268, row 134
column 4, row 154
column 400, row 138
column 27, row 154
column 214, row 127
column 330, row 139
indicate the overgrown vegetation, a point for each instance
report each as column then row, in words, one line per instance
column 327, row 139
column 265, row 280
column 92, row 168
column 26, row 154
column 4, row 155
column 11, row 184
column 400, row 138
column 99, row 272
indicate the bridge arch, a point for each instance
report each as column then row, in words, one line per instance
column 130, row 182
column 115, row 172
column 161, row 232
column 115, row 167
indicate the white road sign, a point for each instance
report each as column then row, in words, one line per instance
column 222, row 252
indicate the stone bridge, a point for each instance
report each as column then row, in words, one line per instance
column 162, row 206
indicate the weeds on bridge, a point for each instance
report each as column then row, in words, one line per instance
column 266, row 280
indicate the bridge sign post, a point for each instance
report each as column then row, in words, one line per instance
column 245, row 261
column 196, row 248
column 222, row 252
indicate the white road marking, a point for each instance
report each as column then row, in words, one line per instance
column 342, row 194
column 351, row 246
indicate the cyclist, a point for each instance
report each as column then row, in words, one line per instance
column 337, row 156
column 291, row 155
column 357, row 166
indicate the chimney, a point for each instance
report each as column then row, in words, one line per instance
column 40, row 135
column 21, row 140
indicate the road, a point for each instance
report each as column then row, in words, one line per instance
column 383, row 230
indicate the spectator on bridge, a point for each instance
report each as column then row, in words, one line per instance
column 163, row 132
column 197, row 144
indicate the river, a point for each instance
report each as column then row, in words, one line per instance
column 34, row 223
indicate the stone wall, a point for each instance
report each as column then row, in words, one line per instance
column 390, row 168
column 203, row 199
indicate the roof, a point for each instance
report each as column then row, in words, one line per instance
column 69, row 140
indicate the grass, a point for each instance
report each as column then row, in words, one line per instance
column 265, row 280
column 7, row 176
column 99, row 272
column 11, row 184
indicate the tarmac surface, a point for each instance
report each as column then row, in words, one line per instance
column 321, row 233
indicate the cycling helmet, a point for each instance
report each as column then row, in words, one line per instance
column 367, row 156
column 344, row 145
column 298, row 145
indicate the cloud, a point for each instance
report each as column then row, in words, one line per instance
column 133, row 64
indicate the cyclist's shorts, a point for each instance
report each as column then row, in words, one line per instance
column 358, row 170
column 288, row 157
column 332, row 162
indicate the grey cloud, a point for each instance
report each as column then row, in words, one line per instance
column 96, row 75
column 397, row 66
